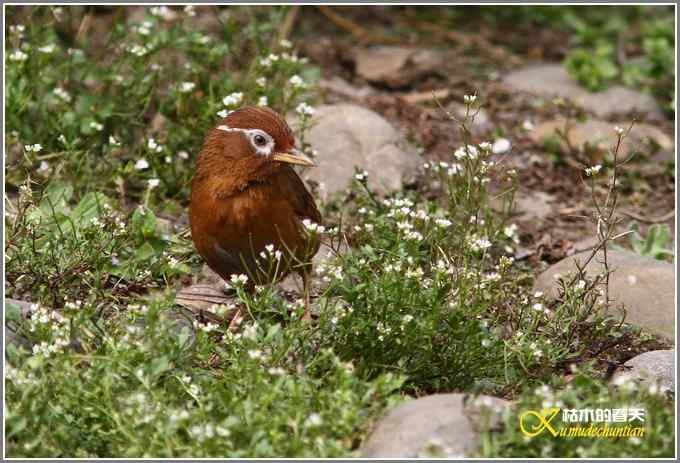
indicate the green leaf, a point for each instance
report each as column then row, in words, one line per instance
column 12, row 312
column 89, row 207
column 159, row 365
column 143, row 222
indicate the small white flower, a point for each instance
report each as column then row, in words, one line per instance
column 619, row 130
column 138, row 50
column 313, row 420
column 233, row 99
column 485, row 146
column 255, row 354
column 538, row 294
column 286, row 43
column 97, row 126
column 44, row 166
column 18, row 55
column 163, row 12
column 183, row 155
column 528, row 125
column 144, row 28
column 262, row 101
column 500, row 146
column 113, row 141
column 223, row 113
column 580, row 284
column 361, row 176
column 239, row 279
column 538, row 307
column 153, row 182
column 468, row 99
column 153, row 146
column 186, row 87
column 189, row 10
column 590, row 171
column 304, row 109
column 276, row 371
column 297, row 82
column 47, row 48
column 141, row 164
column 261, row 81
column 33, row 148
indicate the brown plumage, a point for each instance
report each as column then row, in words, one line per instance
column 245, row 195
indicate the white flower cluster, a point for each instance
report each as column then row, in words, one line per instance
column 304, row 109
column 47, row 49
column 204, row 432
column 138, row 50
column 58, row 326
column 313, row 227
column 329, row 271
column 33, row 148
column 18, row 56
column 511, row 232
column 269, row 251
column 163, row 12
column 186, row 87
column 469, row 99
column 594, row 170
column 153, row 146
column 239, row 279
column 233, row 99
column 478, row 243
column 144, row 28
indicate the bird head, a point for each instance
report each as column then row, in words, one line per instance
column 256, row 135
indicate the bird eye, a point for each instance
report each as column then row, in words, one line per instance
column 260, row 140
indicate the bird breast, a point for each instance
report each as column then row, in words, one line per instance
column 231, row 232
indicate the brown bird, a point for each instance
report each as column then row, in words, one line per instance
column 246, row 196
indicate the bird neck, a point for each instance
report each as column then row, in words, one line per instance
column 223, row 178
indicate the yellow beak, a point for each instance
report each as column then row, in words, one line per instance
column 294, row 156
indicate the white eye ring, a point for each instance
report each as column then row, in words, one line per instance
column 261, row 141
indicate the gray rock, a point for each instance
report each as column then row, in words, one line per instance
column 657, row 366
column 440, row 425
column 645, row 287
column 553, row 80
column 396, row 66
column 600, row 136
column 533, row 206
column 348, row 137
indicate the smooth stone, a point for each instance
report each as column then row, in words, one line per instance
column 656, row 366
column 553, row 80
column 440, row 425
column 645, row 287
column 534, row 205
column 348, row 137
column 396, row 66
column 600, row 136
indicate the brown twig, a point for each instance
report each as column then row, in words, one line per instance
column 363, row 35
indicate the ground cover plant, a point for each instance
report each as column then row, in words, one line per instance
column 425, row 294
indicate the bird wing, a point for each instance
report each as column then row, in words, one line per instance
column 296, row 193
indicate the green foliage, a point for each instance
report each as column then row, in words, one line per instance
column 593, row 70
column 650, row 32
column 427, row 299
column 654, row 244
